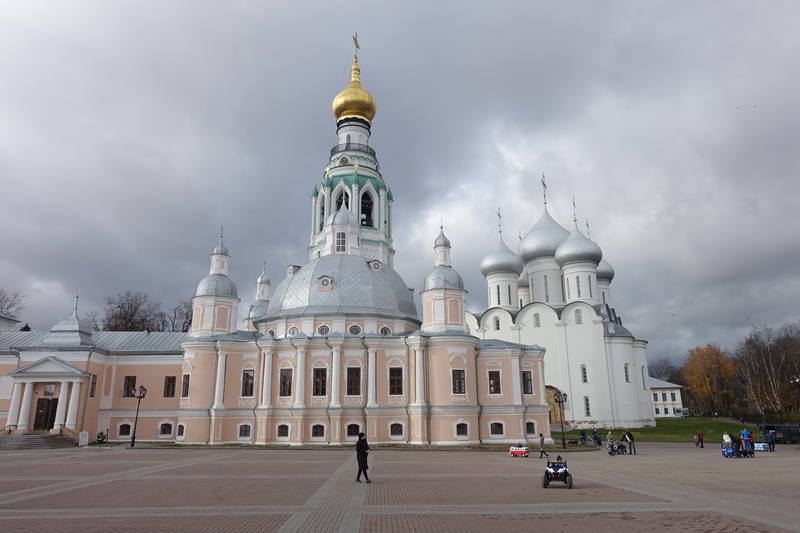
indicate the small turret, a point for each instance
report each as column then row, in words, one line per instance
column 443, row 292
column 215, row 304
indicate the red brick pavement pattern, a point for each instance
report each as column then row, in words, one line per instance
column 497, row 490
column 255, row 467
column 661, row 522
column 13, row 485
column 176, row 493
column 406, row 467
column 68, row 469
column 167, row 524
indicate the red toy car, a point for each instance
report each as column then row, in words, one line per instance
column 518, row 451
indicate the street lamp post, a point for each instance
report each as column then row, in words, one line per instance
column 561, row 398
column 139, row 395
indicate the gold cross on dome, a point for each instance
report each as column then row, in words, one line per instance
column 355, row 42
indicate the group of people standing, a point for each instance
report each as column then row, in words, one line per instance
column 745, row 440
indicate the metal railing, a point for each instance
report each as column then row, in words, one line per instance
column 352, row 147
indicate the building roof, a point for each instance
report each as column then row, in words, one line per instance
column 109, row 341
column 8, row 317
column 656, row 383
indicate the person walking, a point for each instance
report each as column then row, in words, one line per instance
column 627, row 436
column 583, row 437
column 699, row 435
column 362, row 449
column 541, row 447
column 745, row 436
column 596, row 438
column 609, row 436
column 770, row 439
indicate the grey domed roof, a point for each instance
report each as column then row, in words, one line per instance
column 217, row 285
column 441, row 240
column 443, row 277
column 501, row 260
column 578, row 247
column 605, row 271
column 258, row 309
column 263, row 279
column 543, row 239
column 523, row 280
column 357, row 287
column 341, row 217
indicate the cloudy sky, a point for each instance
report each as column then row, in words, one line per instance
column 129, row 131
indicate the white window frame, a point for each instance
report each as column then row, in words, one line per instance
column 238, row 429
column 165, row 435
column 494, row 368
column 355, row 437
column 245, row 368
column 340, row 239
column 587, row 406
column 584, row 373
column 489, row 429
column 456, row 436
column 402, row 435
column 120, row 424
column 288, row 435
column 535, row 427
column 324, row 431
column 177, row 435
column 398, row 364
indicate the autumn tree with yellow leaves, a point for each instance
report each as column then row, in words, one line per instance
column 709, row 376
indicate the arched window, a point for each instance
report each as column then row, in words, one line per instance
column 497, row 323
column 353, row 430
column 366, row 209
column 578, row 316
column 584, row 374
column 396, row 430
column 603, row 294
column 536, row 320
column 578, row 285
column 496, row 428
column 283, row 431
column 342, row 199
column 589, row 283
column 462, row 430
column 318, row 430
column 181, row 430
column 627, row 372
column 586, row 408
column 498, row 295
column 509, row 295
column 124, row 430
column 546, row 289
column 165, row 429
column 244, row 430
column 347, row 139
column 530, row 428
column 341, row 242
column 321, row 204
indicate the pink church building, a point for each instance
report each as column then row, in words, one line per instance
column 336, row 349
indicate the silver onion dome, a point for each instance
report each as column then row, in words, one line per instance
column 441, row 240
column 217, row 285
column 220, row 249
column 341, row 217
column 263, row 279
column 501, row 260
column 605, row 271
column 257, row 309
column 443, row 277
column 578, row 248
column 543, row 239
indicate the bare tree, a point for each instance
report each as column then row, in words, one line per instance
column 11, row 303
column 180, row 317
column 133, row 311
column 663, row 369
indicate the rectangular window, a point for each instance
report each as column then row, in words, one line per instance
column 396, row 381
column 527, row 382
column 546, row 290
column 584, row 374
column 494, row 382
column 185, row 386
column 578, row 285
column 589, row 283
column 169, row 386
column 286, row 382
column 498, row 295
column 340, row 241
column 320, row 382
column 658, row 411
column 248, row 382
column 459, row 382
column 655, row 396
column 569, row 296
column 49, row 390
column 672, row 395
column 509, row 295
column 353, row 381
column 586, row 407
column 664, row 396
column 129, row 386
column 93, row 386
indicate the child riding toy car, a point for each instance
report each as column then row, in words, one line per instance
column 518, row 451
column 557, row 471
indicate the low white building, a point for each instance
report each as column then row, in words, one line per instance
column 8, row 323
column 667, row 400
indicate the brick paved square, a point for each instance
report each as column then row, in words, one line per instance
column 13, row 485
column 168, row 524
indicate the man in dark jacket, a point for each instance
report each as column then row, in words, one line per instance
column 627, row 437
column 362, row 449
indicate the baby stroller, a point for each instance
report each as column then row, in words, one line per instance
column 557, row 471
column 616, row 448
column 728, row 450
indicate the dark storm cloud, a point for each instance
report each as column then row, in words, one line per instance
column 130, row 131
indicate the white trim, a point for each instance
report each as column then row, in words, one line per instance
column 165, row 435
column 460, row 438
column 489, row 428
column 402, row 435
column 130, row 425
column 535, row 428
column 355, row 437
column 311, row 436
column 288, row 435
column 238, row 429
column 177, row 436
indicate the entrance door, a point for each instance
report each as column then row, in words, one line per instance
column 45, row 413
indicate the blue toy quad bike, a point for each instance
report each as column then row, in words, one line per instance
column 557, row 471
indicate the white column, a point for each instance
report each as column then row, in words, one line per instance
column 13, row 408
column 62, row 406
column 219, row 384
column 372, row 383
column 72, row 411
column 300, row 380
column 266, row 386
column 336, row 377
column 25, row 409
column 516, row 382
column 419, row 375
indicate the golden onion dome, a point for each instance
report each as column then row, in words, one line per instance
column 354, row 100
